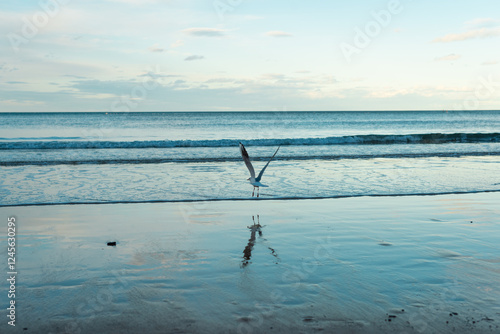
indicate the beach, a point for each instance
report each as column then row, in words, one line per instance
column 230, row 166
column 388, row 264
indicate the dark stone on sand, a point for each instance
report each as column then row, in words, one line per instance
column 112, row 243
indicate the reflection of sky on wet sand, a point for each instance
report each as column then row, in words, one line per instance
column 202, row 264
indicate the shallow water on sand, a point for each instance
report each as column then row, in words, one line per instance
column 393, row 264
column 227, row 180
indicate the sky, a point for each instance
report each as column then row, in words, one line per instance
column 237, row 55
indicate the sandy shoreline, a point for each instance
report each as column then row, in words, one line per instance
column 355, row 265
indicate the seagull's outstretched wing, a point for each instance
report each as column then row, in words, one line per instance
column 263, row 169
column 246, row 158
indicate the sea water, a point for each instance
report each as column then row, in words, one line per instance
column 64, row 158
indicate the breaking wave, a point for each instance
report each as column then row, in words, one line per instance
column 427, row 138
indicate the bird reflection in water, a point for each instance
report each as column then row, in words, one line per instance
column 247, row 252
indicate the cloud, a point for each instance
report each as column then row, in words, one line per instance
column 139, row 2
column 449, row 57
column 273, row 76
column 489, row 62
column 252, row 17
column 471, row 34
column 16, row 82
column 94, row 86
column 446, row 92
column 220, row 80
column 253, row 94
column 194, row 57
column 74, row 76
column 25, row 103
column 4, row 67
column 156, row 48
column 156, row 75
column 483, row 22
column 205, row 32
column 277, row 33
column 176, row 44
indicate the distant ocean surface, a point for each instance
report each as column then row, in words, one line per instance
column 64, row 158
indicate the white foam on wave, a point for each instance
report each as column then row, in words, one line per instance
column 428, row 138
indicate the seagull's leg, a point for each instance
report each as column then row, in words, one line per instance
column 258, row 191
column 253, row 190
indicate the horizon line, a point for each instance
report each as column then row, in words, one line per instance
column 243, row 111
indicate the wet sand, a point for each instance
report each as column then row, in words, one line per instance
column 416, row 264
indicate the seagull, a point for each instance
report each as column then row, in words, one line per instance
column 255, row 181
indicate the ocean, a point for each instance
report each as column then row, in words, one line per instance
column 73, row 158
